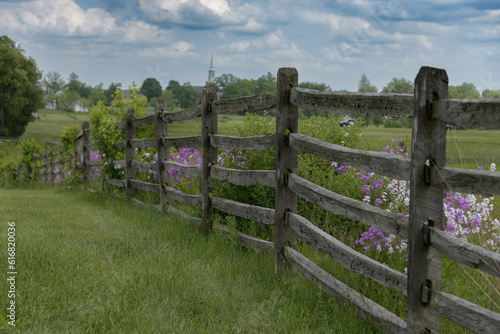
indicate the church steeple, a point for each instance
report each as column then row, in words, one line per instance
column 211, row 71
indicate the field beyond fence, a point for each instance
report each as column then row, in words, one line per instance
column 431, row 111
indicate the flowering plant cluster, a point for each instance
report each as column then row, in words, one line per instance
column 464, row 214
column 188, row 156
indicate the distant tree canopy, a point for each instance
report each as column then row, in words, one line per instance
column 151, row 88
column 464, row 91
column 185, row 94
column 365, row 86
column 110, row 92
column 53, row 82
column 399, row 86
column 491, row 94
column 20, row 93
column 234, row 87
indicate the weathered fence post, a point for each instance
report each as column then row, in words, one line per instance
column 129, row 152
column 46, row 170
column 19, row 172
column 286, row 162
column 162, row 153
column 209, row 153
column 86, row 151
column 426, row 202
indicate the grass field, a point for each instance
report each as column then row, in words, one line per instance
column 100, row 265
column 91, row 263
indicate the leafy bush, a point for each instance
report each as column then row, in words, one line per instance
column 29, row 147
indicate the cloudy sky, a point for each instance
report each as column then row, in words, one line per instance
column 332, row 42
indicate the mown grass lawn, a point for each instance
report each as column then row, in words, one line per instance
column 91, row 263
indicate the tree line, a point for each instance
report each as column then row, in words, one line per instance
column 24, row 90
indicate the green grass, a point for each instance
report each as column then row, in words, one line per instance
column 91, row 263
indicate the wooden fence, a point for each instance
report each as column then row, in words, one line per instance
column 431, row 111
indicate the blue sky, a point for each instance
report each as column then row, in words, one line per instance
column 332, row 42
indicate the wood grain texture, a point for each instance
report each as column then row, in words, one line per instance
column 468, row 181
column 347, row 256
column 187, row 171
column 209, row 153
column 248, row 241
column 469, row 114
column 348, row 207
column 354, row 104
column 463, row 252
column 465, row 313
column 386, row 321
column 246, row 104
column 183, row 197
column 252, row 212
column 287, row 121
column 146, row 186
column 394, row 166
column 244, row 143
column 121, row 145
column 148, row 142
column 144, row 121
column 426, row 202
column 116, row 183
column 182, row 115
column 244, row 177
column 120, row 164
column 187, row 141
column 89, row 163
column 145, row 165
column 129, row 153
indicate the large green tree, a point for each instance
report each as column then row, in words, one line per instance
column 365, row 86
column 185, row 94
column 399, row 86
column 464, row 91
column 151, row 88
column 20, row 94
column 491, row 94
column 53, row 82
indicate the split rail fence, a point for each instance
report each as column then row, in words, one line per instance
column 431, row 111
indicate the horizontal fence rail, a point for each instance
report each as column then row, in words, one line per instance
column 430, row 110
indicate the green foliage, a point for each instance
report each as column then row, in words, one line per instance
column 110, row 92
column 311, row 167
column 169, row 98
column 103, row 128
column 68, row 136
column 491, row 94
column 399, row 86
column 365, row 86
column 151, row 88
column 186, row 95
column 29, row 147
column 464, row 91
column 235, row 87
column 53, row 82
column 104, row 135
column 20, row 95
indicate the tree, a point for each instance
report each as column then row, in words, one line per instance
column 151, row 88
column 110, row 92
column 315, row 86
column 76, row 85
column 53, row 82
column 225, row 80
column 20, row 92
column 185, row 94
column 491, row 94
column 399, row 86
column 364, row 85
column 464, row 91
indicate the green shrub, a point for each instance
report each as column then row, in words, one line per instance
column 29, row 147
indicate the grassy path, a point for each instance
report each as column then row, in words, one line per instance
column 88, row 263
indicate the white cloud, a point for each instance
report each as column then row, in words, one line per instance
column 65, row 18
column 177, row 50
